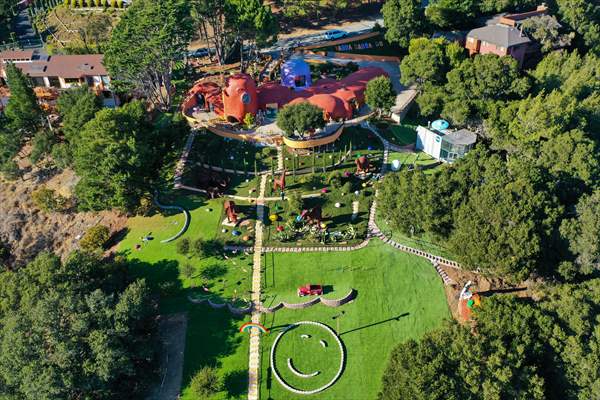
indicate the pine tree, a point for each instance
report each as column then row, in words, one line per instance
column 22, row 109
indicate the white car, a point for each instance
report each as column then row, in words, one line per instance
column 335, row 34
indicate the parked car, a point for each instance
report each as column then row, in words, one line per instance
column 335, row 34
column 310, row 290
column 199, row 53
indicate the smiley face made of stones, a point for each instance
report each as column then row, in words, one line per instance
column 308, row 338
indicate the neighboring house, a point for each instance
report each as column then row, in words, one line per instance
column 61, row 71
column 503, row 36
column 444, row 145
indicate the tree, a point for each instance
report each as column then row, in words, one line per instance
column 583, row 17
column 380, row 94
column 41, row 145
column 212, row 14
column 161, row 31
column 583, row 235
column 253, row 21
column 545, row 30
column 426, row 62
column 451, row 13
column 75, row 329
column 10, row 143
column 95, row 238
column 22, row 110
column 300, row 118
column 206, row 383
column 188, row 271
column 77, row 107
column 404, row 20
column 118, row 155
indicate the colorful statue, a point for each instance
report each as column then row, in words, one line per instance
column 313, row 215
column 230, row 211
column 279, row 183
column 362, row 165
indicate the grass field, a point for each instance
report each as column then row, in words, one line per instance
column 400, row 297
column 212, row 335
column 418, row 159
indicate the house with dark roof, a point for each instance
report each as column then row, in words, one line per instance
column 504, row 36
column 61, row 71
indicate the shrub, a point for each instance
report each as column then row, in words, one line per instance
column 119, row 3
column 183, row 246
column 335, row 179
column 206, row 383
column 61, row 155
column 95, row 238
column 347, row 187
column 295, row 203
column 113, row 3
column 249, row 121
column 48, row 200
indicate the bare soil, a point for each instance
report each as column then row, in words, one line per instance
column 484, row 285
column 28, row 231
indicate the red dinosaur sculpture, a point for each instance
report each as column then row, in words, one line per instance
column 313, row 215
column 230, row 211
column 362, row 165
column 279, row 183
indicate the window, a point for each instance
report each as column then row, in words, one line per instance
column 54, row 82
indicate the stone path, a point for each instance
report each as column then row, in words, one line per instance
column 254, row 357
column 280, row 161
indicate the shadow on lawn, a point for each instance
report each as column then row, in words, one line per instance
column 376, row 323
column 211, row 334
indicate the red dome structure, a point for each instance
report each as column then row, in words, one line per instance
column 338, row 99
column 240, row 98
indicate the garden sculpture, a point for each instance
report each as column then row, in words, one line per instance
column 312, row 215
column 279, row 183
column 362, row 165
column 230, row 211
column 212, row 182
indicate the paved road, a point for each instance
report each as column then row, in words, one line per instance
column 288, row 41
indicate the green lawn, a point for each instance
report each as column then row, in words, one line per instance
column 400, row 297
column 212, row 335
column 419, row 159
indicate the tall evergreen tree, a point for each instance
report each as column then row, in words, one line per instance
column 22, row 109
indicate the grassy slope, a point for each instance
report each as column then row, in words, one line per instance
column 390, row 285
column 212, row 337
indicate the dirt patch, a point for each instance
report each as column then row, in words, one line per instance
column 172, row 330
column 485, row 285
column 28, row 231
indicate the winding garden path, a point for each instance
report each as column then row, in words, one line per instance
column 254, row 356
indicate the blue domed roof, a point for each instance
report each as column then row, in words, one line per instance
column 440, row 125
column 295, row 73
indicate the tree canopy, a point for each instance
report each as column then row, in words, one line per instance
column 161, row 31
column 380, row 94
column 119, row 154
column 404, row 20
column 74, row 330
column 299, row 119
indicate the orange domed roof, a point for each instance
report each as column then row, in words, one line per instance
column 333, row 106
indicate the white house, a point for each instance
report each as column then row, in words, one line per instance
column 443, row 144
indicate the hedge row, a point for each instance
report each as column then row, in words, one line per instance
column 95, row 3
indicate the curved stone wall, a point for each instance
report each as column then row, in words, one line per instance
column 308, row 144
column 299, row 306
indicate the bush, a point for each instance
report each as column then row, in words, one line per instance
column 48, row 200
column 295, row 203
column 206, row 383
column 335, row 179
column 113, row 3
column 41, row 145
column 249, row 121
column 61, row 155
column 187, row 271
column 183, row 246
column 301, row 118
column 119, row 3
column 94, row 238
column 347, row 187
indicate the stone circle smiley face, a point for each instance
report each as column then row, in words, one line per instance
column 307, row 357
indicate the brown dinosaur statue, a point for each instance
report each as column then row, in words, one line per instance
column 362, row 165
column 312, row 215
column 279, row 183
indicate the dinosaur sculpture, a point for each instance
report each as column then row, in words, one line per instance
column 279, row 183
column 362, row 165
column 230, row 211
